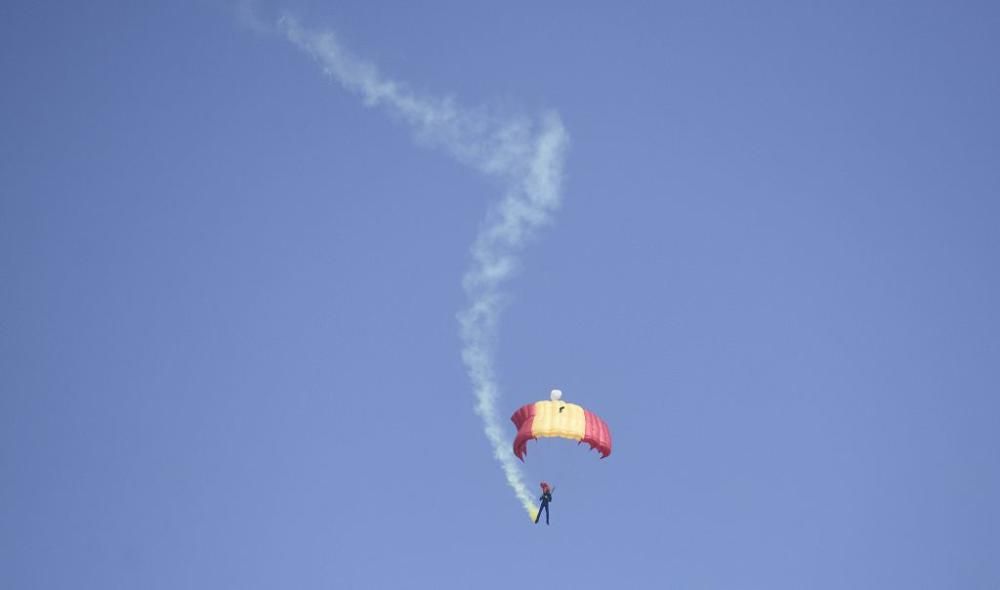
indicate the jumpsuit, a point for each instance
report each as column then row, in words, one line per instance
column 546, row 498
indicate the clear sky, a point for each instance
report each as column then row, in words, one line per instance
column 229, row 351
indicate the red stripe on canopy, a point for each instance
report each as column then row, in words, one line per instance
column 598, row 436
column 522, row 420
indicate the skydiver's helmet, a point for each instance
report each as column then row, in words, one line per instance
column 545, row 488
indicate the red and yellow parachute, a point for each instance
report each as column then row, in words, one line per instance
column 556, row 418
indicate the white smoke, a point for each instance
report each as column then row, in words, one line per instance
column 526, row 155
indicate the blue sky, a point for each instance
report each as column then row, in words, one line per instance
column 229, row 351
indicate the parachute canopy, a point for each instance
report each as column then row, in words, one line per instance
column 556, row 418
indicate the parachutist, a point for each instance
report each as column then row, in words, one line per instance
column 545, row 499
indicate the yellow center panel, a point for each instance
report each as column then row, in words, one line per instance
column 559, row 419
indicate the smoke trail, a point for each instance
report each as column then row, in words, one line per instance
column 526, row 155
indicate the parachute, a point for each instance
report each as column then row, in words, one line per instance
column 556, row 418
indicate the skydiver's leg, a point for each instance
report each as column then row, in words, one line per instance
column 539, row 513
column 546, row 513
